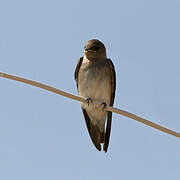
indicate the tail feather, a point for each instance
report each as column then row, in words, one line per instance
column 93, row 130
column 95, row 136
column 108, row 131
column 102, row 136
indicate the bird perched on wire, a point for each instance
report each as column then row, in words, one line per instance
column 96, row 81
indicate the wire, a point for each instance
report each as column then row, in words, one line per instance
column 81, row 99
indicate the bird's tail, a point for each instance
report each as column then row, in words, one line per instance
column 95, row 136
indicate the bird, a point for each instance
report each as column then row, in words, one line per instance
column 96, row 81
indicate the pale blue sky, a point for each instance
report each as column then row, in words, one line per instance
column 43, row 135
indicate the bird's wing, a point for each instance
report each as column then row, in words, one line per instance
column 77, row 70
column 109, row 118
column 93, row 130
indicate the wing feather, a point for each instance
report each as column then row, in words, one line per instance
column 109, row 116
column 93, row 130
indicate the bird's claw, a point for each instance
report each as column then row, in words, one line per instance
column 103, row 105
column 89, row 100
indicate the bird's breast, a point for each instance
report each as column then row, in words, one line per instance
column 95, row 82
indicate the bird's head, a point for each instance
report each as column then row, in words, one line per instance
column 94, row 49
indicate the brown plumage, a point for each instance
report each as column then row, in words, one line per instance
column 96, row 80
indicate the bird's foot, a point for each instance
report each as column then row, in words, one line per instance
column 103, row 106
column 89, row 100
